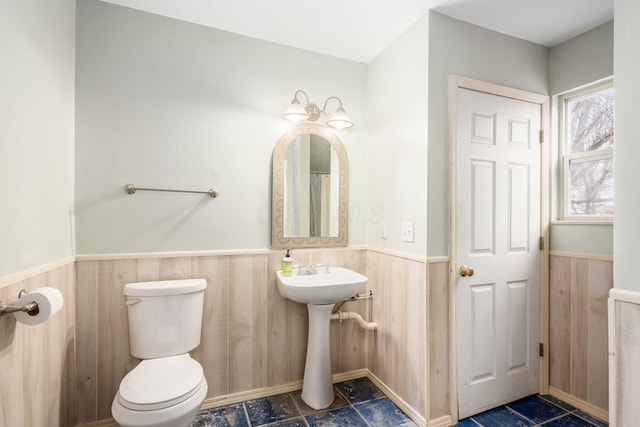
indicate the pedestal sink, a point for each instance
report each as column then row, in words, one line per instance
column 320, row 291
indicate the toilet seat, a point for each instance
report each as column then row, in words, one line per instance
column 160, row 383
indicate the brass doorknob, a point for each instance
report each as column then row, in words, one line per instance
column 466, row 271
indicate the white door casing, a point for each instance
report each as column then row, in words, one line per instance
column 497, row 232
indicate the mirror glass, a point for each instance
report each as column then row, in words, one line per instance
column 309, row 189
column 310, row 178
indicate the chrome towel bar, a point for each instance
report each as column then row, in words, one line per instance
column 131, row 189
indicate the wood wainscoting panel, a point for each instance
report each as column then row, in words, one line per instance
column 278, row 329
column 37, row 379
column 560, row 322
column 287, row 327
column 439, row 399
column 377, row 273
column 212, row 352
column 578, row 327
column 397, row 350
column 600, row 282
column 248, row 320
column 114, row 356
column 579, row 338
column 87, row 342
column 624, row 360
column 252, row 337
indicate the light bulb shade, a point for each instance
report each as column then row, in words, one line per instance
column 339, row 119
column 296, row 112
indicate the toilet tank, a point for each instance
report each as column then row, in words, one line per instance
column 165, row 317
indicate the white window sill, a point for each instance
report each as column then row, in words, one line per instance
column 582, row 222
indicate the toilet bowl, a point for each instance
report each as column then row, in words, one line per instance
column 167, row 388
column 164, row 392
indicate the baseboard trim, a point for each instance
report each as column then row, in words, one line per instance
column 229, row 399
column 102, row 423
column 412, row 413
column 445, row 421
column 579, row 403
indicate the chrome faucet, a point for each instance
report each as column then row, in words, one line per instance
column 308, row 270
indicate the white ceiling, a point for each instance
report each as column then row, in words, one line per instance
column 360, row 29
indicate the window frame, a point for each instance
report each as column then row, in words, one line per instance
column 568, row 158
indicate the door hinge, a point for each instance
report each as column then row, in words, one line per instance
column 541, row 243
column 541, row 350
column 541, row 136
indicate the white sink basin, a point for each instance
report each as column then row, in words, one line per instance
column 338, row 284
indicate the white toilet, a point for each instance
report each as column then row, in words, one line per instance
column 168, row 387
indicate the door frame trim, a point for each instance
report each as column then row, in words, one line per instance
column 457, row 82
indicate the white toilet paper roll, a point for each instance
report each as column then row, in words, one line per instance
column 49, row 300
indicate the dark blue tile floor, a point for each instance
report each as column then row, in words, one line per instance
column 545, row 411
column 358, row 403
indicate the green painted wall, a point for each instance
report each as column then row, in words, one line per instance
column 397, row 102
column 166, row 103
column 456, row 47
column 36, row 132
column 627, row 152
column 577, row 62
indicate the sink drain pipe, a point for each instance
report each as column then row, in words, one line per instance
column 350, row 315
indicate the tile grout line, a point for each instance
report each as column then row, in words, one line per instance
column 545, row 421
column 370, row 401
column 474, row 421
column 535, row 424
column 577, row 414
column 276, row 422
column 552, row 419
column 575, row 411
column 519, row 414
column 353, row 406
column 566, row 413
column 246, row 414
column 349, row 403
column 304, row 418
column 360, row 415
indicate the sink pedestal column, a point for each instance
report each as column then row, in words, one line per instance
column 317, row 388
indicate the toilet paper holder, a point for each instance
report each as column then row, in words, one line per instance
column 31, row 308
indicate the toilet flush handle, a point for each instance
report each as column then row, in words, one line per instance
column 132, row 301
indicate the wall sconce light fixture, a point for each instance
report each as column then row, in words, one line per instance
column 297, row 113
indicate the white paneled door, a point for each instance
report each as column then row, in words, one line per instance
column 497, row 249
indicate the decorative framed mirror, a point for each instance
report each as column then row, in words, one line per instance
column 309, row 189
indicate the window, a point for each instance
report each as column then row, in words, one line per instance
column 588, row 154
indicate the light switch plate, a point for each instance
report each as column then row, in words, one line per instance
column 407, row 232
column 383, row 230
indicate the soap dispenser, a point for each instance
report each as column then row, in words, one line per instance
column 287, row 264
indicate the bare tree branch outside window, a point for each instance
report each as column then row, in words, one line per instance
column 590, row 146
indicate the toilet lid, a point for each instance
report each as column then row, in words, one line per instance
column 160, row 383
